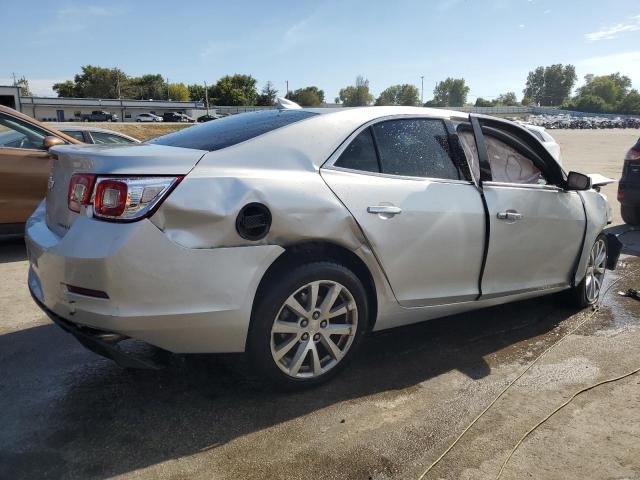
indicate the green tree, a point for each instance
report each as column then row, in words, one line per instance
column 357, row 95
column 481, row 102
column 611, row 88
column 526, row 101
column 589, row 103
column 451, row 92
column 100, row 82
column 65, row 89
column 508, row 99
column 268, row 95
column 630, row 104
column 145, row 87
column 196, row 92
column 404, row 94
column 178, row 92
column 23, row 83
column 307, row 97
column 550, row 85
column 235, row 90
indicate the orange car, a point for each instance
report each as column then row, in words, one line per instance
column 24, row 166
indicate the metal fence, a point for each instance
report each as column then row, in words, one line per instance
column 536, row 111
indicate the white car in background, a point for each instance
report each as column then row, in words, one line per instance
column 148, row 117
column 547, row 140
column 94, row 135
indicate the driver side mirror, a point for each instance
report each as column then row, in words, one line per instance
column 578, row 181
column 51, row 141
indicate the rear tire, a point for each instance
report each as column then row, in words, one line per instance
column 587, row 292
column 304, row 345
column 630, row 214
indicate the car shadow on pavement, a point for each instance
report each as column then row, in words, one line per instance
column 12, row 249
column 69, row 413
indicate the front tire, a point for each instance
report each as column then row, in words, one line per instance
column 587, row 292
column 306, row 325
column 630, row 214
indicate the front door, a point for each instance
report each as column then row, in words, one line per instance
column 425, row 221
column 24, row 169
column 536, row 227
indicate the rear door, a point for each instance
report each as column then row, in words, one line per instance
column 417, row 206
column 24, row 169
column 536, row 227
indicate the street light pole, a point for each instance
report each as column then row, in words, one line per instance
column 422, row 89
column 206, row 97
column 287, row 94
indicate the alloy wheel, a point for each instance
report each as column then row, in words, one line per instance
column 314, row 329
column 595, row 270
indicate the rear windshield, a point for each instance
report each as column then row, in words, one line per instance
column 231, row 130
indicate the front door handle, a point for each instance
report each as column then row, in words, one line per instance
column 386, row 211
column 510, row 215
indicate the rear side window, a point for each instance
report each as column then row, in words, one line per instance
column 231, row 130
column 415, row 148
column 75, row 134
column 360, row 154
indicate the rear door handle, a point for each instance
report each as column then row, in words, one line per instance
column 384, row 210
column 511, row 215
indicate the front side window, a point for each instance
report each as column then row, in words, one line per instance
column 15, row 133
column 415, row 148
column 509, row 165
column 360, row 154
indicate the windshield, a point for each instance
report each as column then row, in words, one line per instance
column 231, row 130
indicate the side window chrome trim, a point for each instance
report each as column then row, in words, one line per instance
column 397, row 177
column 551, row 188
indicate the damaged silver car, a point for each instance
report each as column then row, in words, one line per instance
column 289, row 233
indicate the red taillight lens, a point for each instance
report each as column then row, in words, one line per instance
column 620, row 194
column 633, row 154
column 80, row 189
column 111, row 198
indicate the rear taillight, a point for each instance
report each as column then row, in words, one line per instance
column 126, row 198
column 633, row 154
column 80, row 190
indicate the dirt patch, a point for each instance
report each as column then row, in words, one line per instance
column 141, row 131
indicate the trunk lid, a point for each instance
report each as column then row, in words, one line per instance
column 131, row 160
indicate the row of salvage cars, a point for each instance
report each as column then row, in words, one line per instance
column 290, row 233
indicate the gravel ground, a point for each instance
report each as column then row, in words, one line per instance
column 67, row 413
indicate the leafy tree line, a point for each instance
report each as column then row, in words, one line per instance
column 547, row 86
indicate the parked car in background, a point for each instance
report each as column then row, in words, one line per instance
column 547, row 140
column 176, row 117
column 24, row 166
column 148, row 117
column 629, row 187
column 289, row 233
column 94, row 135
column 207, row 118
column 99, row 116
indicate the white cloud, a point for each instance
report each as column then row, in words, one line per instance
column 75, row 18
column 547, row 11
column 521, row 25
column 609, row 33
column 627, row 63
column 295, row 33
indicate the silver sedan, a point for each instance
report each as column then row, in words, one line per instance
column 290, row 233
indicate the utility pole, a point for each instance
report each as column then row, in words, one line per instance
column 168, row 89
column 15, row 83
column 206, row 97
column 287, row 94
column 422, row 89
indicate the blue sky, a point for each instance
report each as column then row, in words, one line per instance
column 491, row 43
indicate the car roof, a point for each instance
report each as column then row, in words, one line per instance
column 33, row 121
column 383, row 111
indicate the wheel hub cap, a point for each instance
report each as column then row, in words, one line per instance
column 314, row 329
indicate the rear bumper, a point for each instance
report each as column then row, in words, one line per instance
column 179, row 299
column 631, row 193
column 98, row 341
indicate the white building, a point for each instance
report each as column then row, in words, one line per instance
column 69, row 109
